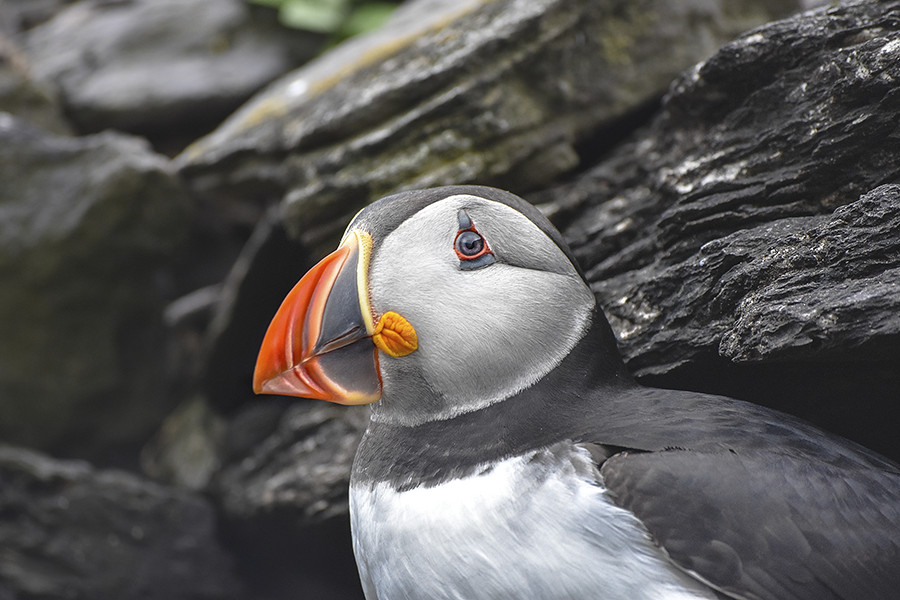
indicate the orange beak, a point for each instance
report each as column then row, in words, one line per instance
column 323, row 342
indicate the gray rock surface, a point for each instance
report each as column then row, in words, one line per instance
column 300, row 465
column 185, row 451
column 279, row 473
column 17, row 16
column 727, row 240
column 70, row 531
column 282, row 492
column 495, row 92
column 23, row 97
column 161, row 68
column 87, row 227
column 792, row 120
column 269, row 266
column 32, row 101
column 818, row 287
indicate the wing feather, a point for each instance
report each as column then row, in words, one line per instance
column 765, row 526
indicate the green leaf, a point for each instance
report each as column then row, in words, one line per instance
column 324, row 16
column 367, row 17
column 275, row 3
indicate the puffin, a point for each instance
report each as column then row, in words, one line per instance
column 511, row 455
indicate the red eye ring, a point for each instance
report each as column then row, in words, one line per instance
column 470, row 245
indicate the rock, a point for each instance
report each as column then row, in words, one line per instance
column 87, row 228
column 17, row 16
column 185, row 451
column 302, row 465
column 25, row 98
column 70, row 531
column 717, row 162
column 166, row 69
column 828, row 288
column 728, row 242
column 280, row 471
column 447, row 92
column 283, row 493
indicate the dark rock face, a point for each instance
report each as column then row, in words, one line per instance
column 86, row 226
column 806, row 295
column 451, row 93
column 17, row 16
column 25, row 98
column 306, row 454
column 70, row 531
column 161, row 68
column 713, row 234
column 283, row 495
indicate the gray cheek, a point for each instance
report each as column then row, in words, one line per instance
column 406, row 393
column 475, row 353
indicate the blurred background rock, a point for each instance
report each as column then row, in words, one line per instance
column 170, row 168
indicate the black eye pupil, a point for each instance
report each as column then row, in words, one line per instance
column 469, row 243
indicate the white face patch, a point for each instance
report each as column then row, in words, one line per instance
column 484, row 334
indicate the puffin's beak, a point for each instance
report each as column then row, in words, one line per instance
column 317, row 344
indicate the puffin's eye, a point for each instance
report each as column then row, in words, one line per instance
column 470, row 247
column 469, row 244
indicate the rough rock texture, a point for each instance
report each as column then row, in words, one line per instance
column 17, row 16
column 448, row 92
column 23, row 97
column 283, row 495
column 160, row 67
column 713, row 234
column 185, row 451
column 70, row 531
column 269, row 265
column 86, row 227
column 296, row 465
column 819, row 287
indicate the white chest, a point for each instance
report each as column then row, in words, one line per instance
column 535, row 526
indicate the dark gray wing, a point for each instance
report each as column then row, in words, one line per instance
column 766, row 526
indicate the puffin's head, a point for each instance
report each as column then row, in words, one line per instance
column 437, row 302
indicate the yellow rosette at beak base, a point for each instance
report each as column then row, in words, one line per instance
column 394, row 335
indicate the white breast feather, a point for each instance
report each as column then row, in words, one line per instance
column 537, row 526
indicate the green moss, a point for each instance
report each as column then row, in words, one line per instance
column 621, row 31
